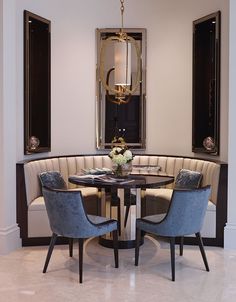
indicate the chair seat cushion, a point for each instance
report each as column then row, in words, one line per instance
column 155, row 218
column 103, row 225
column 98, row 219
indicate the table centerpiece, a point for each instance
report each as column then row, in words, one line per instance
column 121, row 157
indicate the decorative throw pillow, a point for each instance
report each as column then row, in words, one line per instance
column 187, row 179
column 52, row 180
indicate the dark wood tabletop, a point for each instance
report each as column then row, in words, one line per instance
column 131, row 181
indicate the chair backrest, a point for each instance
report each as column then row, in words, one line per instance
column 187, row 179
column 53, row 180
column 186, row 212
column 66, row 213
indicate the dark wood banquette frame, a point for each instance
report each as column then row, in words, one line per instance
column 22, row 207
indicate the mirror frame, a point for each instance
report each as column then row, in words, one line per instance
column 30, row 82
column 202, row 142
column 100, row 102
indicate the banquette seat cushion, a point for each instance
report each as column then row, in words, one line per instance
column 37, row 221
column 185, row 179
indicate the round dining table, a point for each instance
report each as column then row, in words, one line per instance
column 135, row 183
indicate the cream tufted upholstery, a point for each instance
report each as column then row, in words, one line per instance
column 37, row 217
column 66, row 166
column 72, row 165
column 172, row 165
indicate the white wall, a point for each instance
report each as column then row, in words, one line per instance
column 9, row 231
column 169, row 69
column 230, row 230
column 169, row 80
column 169, row 76
column 1, row 108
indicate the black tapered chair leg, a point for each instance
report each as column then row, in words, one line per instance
column 50, row 249
column 115, row 246
column 71, row 247
column 126, row 214
column 200, row 243
column 172, row 253
column 137, row 244
column 81, row 246
column 119, row 218
column 181, row 245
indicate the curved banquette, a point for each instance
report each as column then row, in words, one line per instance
column 31, row 212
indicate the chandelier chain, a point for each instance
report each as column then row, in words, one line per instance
column 122, row 9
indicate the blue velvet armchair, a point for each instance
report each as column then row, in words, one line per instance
column 184, row 217
column 68, row 218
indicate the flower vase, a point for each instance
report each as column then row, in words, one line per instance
column 122, row 170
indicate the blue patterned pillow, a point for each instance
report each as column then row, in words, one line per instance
column 187, row 179
column 52, row 180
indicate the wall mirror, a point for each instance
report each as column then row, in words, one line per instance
column 37, row 84
column 206, row 84
column 127, row 120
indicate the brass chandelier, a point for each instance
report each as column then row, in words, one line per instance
column 124, row 86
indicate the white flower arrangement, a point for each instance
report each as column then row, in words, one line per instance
column 120, row 154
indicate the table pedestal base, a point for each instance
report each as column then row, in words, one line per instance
column 122, row 244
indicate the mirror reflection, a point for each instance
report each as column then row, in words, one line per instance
column 119, row 115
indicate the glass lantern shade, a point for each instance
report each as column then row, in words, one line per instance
column 122, row 63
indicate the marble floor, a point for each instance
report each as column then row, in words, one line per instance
column 21, row 277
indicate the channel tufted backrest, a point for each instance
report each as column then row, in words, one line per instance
column 65, row 165
column 72, row 165
column 172, row 165
column 32, row 170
